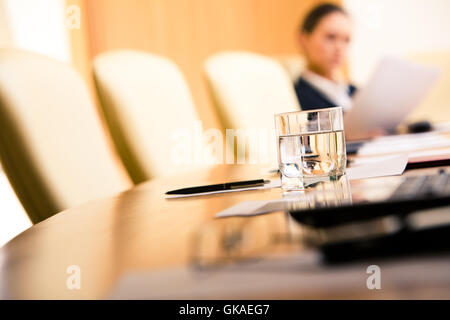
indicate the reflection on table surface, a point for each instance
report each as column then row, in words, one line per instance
column 139, row 231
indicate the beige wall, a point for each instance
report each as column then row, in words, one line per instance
column 37, row 26
column 414, row 29
column 188, row 31
column 5, row 32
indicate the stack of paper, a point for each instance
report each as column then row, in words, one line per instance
column 407, row 143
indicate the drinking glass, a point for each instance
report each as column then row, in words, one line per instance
column 311, row 146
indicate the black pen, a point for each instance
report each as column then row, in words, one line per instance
column 220, row 187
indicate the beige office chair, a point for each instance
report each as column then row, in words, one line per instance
column 294, row 65
column 248, row 89
column 148, row 106
column 436, row 105
column 52, row 146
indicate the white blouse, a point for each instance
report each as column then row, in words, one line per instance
column 336, row 91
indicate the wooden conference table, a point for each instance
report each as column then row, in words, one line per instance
column 139, row 230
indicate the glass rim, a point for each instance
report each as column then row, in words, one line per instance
column 308, row 111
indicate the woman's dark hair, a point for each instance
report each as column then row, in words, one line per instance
column 313, row 18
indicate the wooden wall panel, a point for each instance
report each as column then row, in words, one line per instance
column 79, row 38
column 5, row 30
column 188, row 31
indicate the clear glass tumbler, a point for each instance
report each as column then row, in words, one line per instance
column 311, row 146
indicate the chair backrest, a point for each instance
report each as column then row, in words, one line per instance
column 294, row 64
column 52, row 144
column 435, row 106
column 248, row 89
column 146, row 101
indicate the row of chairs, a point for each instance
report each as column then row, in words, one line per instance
column 52, row 144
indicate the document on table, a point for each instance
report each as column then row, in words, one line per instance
column 362, row 169
column 406, row 143
column 378, row 167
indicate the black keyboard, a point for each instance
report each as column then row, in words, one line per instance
column 413, row 194
column 430, row 186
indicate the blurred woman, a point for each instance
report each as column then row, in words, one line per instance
column 324, row 37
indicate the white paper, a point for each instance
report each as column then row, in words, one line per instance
column 404, row 144
column 252, row 208
column 378, row 167
column 386, row 166
column 429, row 153
column 367, row 168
